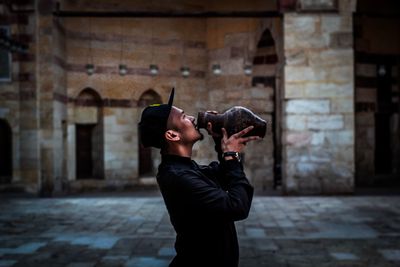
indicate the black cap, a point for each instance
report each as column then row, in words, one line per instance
column 153, row 123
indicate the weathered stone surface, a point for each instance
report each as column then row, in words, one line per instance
column 304, row 74
column 298, row 139
column 294, row 90
column 325, row 122
column 344, row 137
column 331, row 58
column 307, row 106
column 296, row 122
column 342, row 105
column 331, row 23
column 341, row 40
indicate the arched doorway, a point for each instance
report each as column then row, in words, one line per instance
column 89, row 135
column 377, row 104
column 147, row 154
column 265, row 64
column 5, row 152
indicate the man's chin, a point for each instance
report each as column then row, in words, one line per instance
column 201, row 136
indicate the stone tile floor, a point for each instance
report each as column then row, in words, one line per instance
column 135, row 231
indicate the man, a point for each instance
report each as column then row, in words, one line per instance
column 203, row 201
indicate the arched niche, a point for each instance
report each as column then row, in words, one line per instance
column 266, row 76
column 89, row 135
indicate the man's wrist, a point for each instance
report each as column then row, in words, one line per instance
column 231, row 155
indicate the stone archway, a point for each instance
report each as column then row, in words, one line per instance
column 265, row 65
column 89, row 135
column 5, row 152
column 147, row 155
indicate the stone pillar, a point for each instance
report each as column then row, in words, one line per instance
column 318, row 136
column 47, row 83
column 28, row 153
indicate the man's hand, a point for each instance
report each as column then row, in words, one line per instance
column 212, row 133
column 236, row 142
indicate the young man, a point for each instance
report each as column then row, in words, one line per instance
column 203, row 202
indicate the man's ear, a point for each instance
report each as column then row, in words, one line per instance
column 172, row 135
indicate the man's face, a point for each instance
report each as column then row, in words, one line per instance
column 184, row 125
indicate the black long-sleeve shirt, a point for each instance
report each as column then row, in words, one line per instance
column 203, row 202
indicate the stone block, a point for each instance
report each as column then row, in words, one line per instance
column 343, row 137
column 307, row 106
column 342, row 105
column 305, row 169
column 340, row 40
column 234, row 95
column 343, row 170
column 318, row 138
column 325, row 122
column 296, row 122
column 294, row 40
column 330, row 57
column 258, row 92
column 296, row 57
column 294, row 90
column 232, row 67
column 320, row 154
column 340, row 74
column 343, row 153
column 298, row 138
column 326, row 89
column 301, row 25
column 305, row 74
column 331, row 23
column 296, row 154
column 348, row 119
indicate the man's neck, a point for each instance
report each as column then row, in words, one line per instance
column 183, row 151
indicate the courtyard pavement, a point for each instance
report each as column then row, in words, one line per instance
column 134, row 231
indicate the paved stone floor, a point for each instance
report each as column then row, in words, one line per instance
column 135, row 231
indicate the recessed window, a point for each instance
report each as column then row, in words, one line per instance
column 5, row 55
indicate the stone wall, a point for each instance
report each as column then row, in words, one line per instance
column 18, row 104
column 319, row 114
column 132, row 38
column 232, row 44
column 306, row 91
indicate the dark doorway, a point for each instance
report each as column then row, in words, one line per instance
column 383, row 155
column 84, row 157
column 377, row 105
column 5, row 152
column 145, row 160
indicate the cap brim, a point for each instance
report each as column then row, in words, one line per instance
column 171, row 97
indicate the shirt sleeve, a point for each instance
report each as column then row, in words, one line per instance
column 211, row 201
